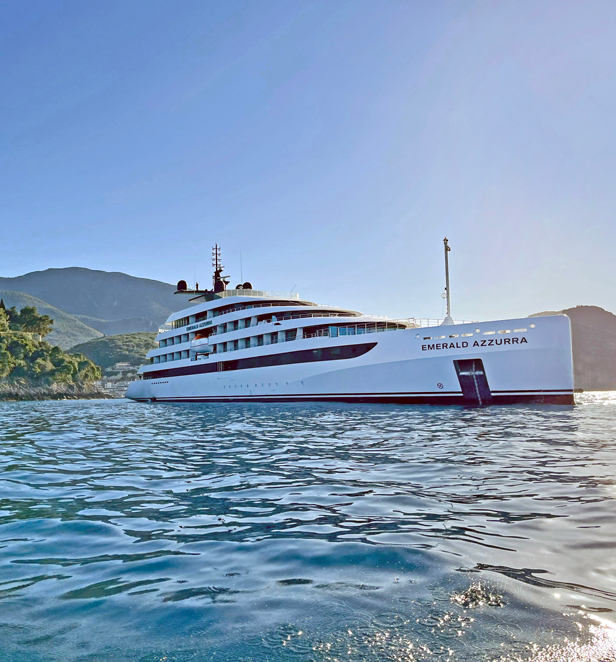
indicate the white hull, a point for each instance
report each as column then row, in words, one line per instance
column 421, row 366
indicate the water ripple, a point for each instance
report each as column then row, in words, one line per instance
column 265, row 532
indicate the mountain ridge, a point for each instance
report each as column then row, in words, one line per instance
column 108, row 296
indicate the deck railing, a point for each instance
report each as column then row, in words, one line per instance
column 210, row 296
column 420, row 322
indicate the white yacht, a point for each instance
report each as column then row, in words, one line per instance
column 242, row 344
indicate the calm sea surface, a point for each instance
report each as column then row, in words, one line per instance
column 307, row 532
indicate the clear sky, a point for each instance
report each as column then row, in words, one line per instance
column 333, row 143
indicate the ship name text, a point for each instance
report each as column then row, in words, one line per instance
column 488, row 342
column 198, row 326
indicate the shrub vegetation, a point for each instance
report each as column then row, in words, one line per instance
column 25, row 356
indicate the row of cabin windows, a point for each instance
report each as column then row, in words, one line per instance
column 223, row 310
column 255, row 341
column 247, row 322
column 175, row 340
column 173, row 356
column 287, row 336
column 308, row 332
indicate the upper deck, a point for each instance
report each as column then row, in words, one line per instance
column 214, row 304
column 212, row 296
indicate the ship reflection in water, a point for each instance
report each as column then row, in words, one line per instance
column 307, row 531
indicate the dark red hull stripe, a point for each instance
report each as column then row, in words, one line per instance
column 560, row 397
column 285, row 358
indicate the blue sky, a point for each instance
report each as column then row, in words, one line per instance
column 334, row 144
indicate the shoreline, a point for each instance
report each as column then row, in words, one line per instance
column 23, row 393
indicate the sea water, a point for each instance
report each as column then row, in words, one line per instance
column 307, row 532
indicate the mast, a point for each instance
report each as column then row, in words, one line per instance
column 447, row 319
column 220, row 281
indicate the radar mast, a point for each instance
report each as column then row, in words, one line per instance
column 220, row 281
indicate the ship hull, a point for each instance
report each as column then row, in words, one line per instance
column 503, row 362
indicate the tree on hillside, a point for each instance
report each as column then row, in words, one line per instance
column 11, row 312
column 29, row 320
column 4, row 320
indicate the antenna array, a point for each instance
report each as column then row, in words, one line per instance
column 216, row 263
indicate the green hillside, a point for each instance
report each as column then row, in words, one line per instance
column 67, row 329
column 128, row 347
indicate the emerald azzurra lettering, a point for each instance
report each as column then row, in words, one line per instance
column 445, row 345
column 198, row 326
column 491, row 342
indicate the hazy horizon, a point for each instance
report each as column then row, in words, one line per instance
column 333, row 144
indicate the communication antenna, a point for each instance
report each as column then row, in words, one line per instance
column 216, row 262
column 220, row 281
column 447, row 319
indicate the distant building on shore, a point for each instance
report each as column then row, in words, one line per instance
column 122, row 366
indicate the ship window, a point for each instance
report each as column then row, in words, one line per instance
column 532, row 326
column 455, row 335
column 259, row 341
column 489, row 333
column 467, row 335
column 290, row 335
column 505, row 331
column 519, row 330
